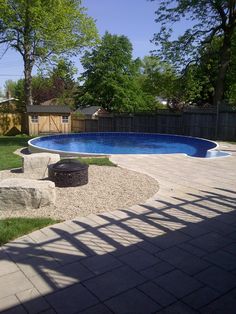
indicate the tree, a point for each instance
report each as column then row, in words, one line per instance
column 210, row 18
column 42, row 29
column 57, row 82
column 159, row 78
column 111, row 77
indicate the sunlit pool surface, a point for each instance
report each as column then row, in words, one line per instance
column 124, row 143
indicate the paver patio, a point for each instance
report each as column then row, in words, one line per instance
column 176, row 253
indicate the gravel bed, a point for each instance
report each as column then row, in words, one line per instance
column 109, row 188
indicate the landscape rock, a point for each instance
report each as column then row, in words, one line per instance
column 21, row 193
column 36, row 165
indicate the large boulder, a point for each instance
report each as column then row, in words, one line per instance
column 36, row 165
column 26, row 194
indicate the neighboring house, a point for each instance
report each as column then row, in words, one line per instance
column 50, row 102
column 48, row 119
column 8, row 104
column 58, row 102
column 92, row 112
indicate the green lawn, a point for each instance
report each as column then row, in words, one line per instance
column 12, row 228
column 98, row 161
column 8, row 144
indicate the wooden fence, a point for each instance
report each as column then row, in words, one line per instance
column 11, row 123
column 199, row 123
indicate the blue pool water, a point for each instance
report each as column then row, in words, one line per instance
column 124, row 143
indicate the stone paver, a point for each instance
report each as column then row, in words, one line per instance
column 139, row 259
column 201, row 297
column 158, row 294
column 176, row 253
column 114, row 282
column 178, row 283
column 13, row 283
column 33, row 301
column 183, row 260
column 218, row 279
column 133, row 301
column 71, row 300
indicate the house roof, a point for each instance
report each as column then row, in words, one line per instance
column 48, row 109
column 88, row 110
column 3, row 100
column 50, row 102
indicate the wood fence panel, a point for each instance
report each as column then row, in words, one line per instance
column 10, row 123
column 123, row 124
column 199, row 123
column 91, row 125
column 227, row 126
column 77, row 124
column 105, row 124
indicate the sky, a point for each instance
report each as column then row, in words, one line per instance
column 132, row 18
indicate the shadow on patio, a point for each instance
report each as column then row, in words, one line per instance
column 175, row 256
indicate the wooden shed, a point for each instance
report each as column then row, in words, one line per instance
column 49, row 119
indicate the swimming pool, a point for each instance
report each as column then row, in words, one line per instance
column 109, row 143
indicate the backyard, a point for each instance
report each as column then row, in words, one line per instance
column 174, row 252
column 117, row 157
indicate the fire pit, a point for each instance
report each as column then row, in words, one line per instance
column 68, row 172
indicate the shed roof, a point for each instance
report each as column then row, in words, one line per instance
column 48, row 109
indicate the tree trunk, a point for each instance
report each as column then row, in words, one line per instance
column 28, row 82
column 28, row 61
column 223, row 67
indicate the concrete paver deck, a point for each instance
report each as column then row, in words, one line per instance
column 176, row 253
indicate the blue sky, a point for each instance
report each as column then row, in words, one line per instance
column 132, row 18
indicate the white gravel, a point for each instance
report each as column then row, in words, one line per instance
column 109, row 188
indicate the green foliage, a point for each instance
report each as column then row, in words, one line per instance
column 47, row 27
column 111, row 77
column 212, row 22
column 43, row 30
column 12, row 228
column 200, row 78
column 158, row 78
column 52, row 82
column 206, row 23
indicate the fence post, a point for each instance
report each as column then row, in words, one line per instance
column 217, row 119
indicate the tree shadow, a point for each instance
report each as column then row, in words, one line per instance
column 93, row 253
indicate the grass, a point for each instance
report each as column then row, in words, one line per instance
column 98, row 161
column 8, row 144
column 12, row 228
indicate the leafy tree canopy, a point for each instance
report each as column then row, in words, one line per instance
column 43, row 29
column 210, row 19
column 57, row 82
column 111, row 77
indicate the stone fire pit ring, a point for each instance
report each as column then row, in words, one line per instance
column 68, row 173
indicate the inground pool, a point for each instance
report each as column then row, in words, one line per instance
column 109, row 143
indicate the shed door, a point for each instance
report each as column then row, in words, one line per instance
column 44, row 124
column 50, row 124
column 55, row 124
